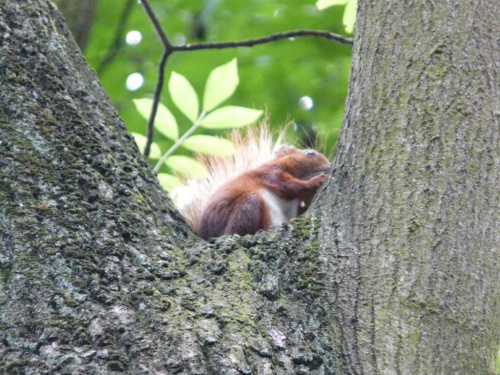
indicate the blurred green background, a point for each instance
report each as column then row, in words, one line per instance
column 273, row 77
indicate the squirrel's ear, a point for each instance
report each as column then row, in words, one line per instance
column 285, row 150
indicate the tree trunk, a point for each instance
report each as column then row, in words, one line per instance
column 396, row 271
column 411, row 223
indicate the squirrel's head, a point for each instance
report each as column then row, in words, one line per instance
column 303, row 164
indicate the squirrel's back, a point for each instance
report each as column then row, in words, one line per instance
column 254, row 147
column 269, row 195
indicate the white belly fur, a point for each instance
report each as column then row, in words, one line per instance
column 280, row 210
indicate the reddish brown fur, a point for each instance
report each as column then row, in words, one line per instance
column 254, row 147
column 238, row 207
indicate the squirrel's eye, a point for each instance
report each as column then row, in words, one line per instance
column 309, row 152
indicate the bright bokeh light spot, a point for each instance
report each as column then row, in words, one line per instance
column 306, row 103
column 133, row 38
column 134, row 81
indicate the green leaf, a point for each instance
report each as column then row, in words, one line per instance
column 164, row 120
column 184, row 96
column 231, row 117
column 221, row 84
column 208, row 145
column 141, row 140
column 323, row 4
column 168, row 182
column 186, row 166
column 350, row 15
column 349, row 11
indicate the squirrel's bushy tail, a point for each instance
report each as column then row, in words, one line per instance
column 254, row 147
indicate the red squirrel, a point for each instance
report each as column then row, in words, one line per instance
column 266, row 196
column 255, row 189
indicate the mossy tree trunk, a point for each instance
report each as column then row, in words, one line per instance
column 412, row 219
column 396, row 270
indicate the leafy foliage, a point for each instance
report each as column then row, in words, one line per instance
column 140, row 140
column 165, row 122
column 231, row 117
column 221, row 84
column 186, row 166
column 275, row 76
column 349, row 12
column 184, row 96
column 208, row 145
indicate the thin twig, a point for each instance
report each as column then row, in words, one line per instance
column 179, row 141
column 156, row 24
column 117, row 43
column 161, row 72
column 267, row 39
column 156, row 101
column 170, row 48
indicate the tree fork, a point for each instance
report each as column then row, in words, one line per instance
column 396, row 271
column 98, row 271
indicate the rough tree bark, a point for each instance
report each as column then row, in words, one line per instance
column 396, row 270
column 414, row 215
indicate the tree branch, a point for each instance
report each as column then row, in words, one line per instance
column 156, row 24
column 156, row 100
column 267, row 39
column 170, row 48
